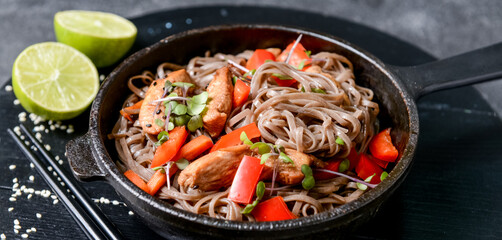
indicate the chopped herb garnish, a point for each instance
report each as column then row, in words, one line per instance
column 264, row 157
column 339, row 141
column 234, row 79
column 159, row 122
column 168, row 86
column 180, row 109
column 158, row 168
column 281, row 76
column 308, row 181
column 195, row 123
column 260, row 191
column 183, row 84
column 244, row 138
column 384, row 175
column 285, row 158
column 170, row 126
column 182, row 163
column 250, row 73
column 344, row 165
column 181, row 120
column 302, row 89
column 262, row 147
column 363, row 186
column 318, row 90
column 308, row 52
column 162, row 137
column 302, row 64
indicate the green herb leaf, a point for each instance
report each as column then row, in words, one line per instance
column 318, row 90
column 200, row 98
column 308, row 182
column 168, row 85
column 262, row 147
column 244, row 138
column 172, row 95
column 234, row 80
column 303, row 89
column 158, row 168
column 339, row 141
column 281, row 77
column 344, row 165
column 249, row 207
column 183, row 84
column 264, row 157
column 159, row 122
column 368, row 179
column 250, row 73
column 260, row 190
column 361, row 186
column 182, row 163
column 170, row 126
column 180, row 109
column 162, row 137
column 181, row 120
column 172, row 103
column 195, row 123
column 285, row 158
column 308, row 53
column 384, row 175
column 302, row 64
column 306, row 170
column 279, row 148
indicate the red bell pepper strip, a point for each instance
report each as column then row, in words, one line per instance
column 137, row 105
column 234, row 138
column 297, row 56
column 382, row 148
column 258, row 58
column 157, row 181
column 379, row 162
column 245, row 180
column 333, row 165
column 274, row 209
column 137, row 180
column 241, row 93
column 353, row 158
column 366, row 167
column 168, row 149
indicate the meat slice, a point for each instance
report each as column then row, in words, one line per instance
column 220, row 91
column 287, row 173
column 147, row 114
column 215, row 170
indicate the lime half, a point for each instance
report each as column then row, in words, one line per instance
column 54, row 81
column 103, row 37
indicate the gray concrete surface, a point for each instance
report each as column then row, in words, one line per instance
column 441, row 27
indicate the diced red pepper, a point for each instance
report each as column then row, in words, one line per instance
column 245, row 180
column 297, row 56
column 353, row 158
column 274, row 209
column 283, row 82
column 168, row 149
column 258, row 58
column 234, row 138
column 366, row 167
column 382, row 148
column 241, row 93
column 379, row 162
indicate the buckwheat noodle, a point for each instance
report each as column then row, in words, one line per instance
column 301, row 119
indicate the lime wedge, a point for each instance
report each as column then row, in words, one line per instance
column 54, row 81
column 103, row 37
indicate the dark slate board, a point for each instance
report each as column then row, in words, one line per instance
column 453, row 190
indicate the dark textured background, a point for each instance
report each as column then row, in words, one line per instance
column 453, row 190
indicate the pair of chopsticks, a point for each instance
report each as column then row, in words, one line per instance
column 90, row 219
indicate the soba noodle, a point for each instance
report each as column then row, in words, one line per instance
column 300, row 119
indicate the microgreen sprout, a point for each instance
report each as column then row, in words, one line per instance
column 344, row 165
column 250, row 73
column 301, row 65
column 308, row 52
column 260, row 191
column 266, row 149
column 308, row 181
column 159, row 122
column 384, row 175
column 364, row 186
column 339, row 141
column 162, row 137
column 318, row 90
column 182, row 163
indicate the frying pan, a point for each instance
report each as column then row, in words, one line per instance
column 396, row 89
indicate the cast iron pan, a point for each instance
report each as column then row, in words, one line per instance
column 396, row 89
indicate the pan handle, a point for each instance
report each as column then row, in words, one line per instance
column 82, row 161
column 472, row 67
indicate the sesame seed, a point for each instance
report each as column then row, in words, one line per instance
column 17, row 227
column 70, row 130
column 131, row 213
column 29, row 196
column 41, row 127
column 96, row 200
column 16, row 231
column 37, row 192
column 24, row 235
column 16, row 102
column 28, row 230
column 39, row 215
column 50, row 122
column 16, row 221
column 115, row 202
column 17, row 130
column 49, row 168
column 54, row 174
column 15, row 186
column 26, row 143
column 31, row 178
column 23, row 187
column 38, row 136
column 52, row 127
column 54, row 197
column 107, row 201
column 101, row 77
column 12, row 167
column 62, row 184
column 48, row 147
column 22, row 137
column 11, row 209
column 12, row 199
column 3, row 236
column 33, row 229
column 32, row 165
column 60, row 162
column 57, row 157
column 55, row 202
column 46, row 131
column 14, row 180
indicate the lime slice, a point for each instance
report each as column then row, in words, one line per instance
column 54, row 81
column 103, row 37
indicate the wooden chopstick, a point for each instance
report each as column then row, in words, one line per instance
column 81, row 196
column 94, row 224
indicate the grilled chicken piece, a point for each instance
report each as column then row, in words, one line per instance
column 287, row 173
column 220, row 92
column 214, row 170
column 146, row 114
